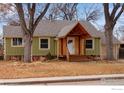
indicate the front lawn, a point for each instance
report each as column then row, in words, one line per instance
column 54, row 68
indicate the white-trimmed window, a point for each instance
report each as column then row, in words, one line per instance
column 89, row 44
column 17, row 41
column 44, row 43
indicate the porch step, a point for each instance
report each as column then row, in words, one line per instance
column 80, row 58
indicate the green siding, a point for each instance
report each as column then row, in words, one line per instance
column 96, row 50
column 53, row 48
column 35, row 48
column 37, row 51
column 13, row 50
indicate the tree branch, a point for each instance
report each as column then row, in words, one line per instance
column 118, row 15
column 116, row 7
column 106, row 11
column 20, row 11
column 41, row 15
column 31, row 20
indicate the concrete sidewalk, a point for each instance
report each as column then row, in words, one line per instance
column 60, row 79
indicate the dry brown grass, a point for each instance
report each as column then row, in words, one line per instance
column 56, row 68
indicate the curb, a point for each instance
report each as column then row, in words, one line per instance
column 59, row 79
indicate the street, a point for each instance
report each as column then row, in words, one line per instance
column 113, row 79
column 98, row 82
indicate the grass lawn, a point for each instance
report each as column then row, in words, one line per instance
column 54, row 68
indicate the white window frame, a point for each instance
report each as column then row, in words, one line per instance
column 16, row 45
column 48, row 43
column 92, row 44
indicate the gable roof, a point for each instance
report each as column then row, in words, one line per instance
column 56, row 28
column 50, row 28
column 65, row 30
column 44, row 28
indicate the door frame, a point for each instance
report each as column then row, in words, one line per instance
column 73, row 39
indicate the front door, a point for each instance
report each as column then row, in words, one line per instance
column 71, row 45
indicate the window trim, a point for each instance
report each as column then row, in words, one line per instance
column 48, row 43
column 17, row 45
column 92, row 44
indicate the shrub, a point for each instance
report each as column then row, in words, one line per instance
column 49, row 56
column 1, row 57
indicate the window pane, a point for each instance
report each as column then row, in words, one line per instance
column 89, row 43
column 17, row 41
column 14, row 41
column 44, row 43
column 44, row 40
column 70, row 41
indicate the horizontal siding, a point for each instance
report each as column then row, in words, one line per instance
column 13, row 50
column 35, row 48
column 53, row 48
column 37, row 51
column 96, row 50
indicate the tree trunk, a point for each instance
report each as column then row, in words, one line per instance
column 109, row 43
column 27, row 48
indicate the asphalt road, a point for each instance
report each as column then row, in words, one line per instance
column 98, row 82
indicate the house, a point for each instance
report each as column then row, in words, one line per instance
column 121, row 49
column 71, row 39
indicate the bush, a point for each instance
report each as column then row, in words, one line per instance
column 1, row 57
column 49, row 56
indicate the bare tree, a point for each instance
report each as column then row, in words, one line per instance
column 53, row 13
column 64, row 11
column 92, row 16
column 120, row 33
column 91, row 12
column 5, row 11
column 5, row 8
column 111, row 18
column 28, row 29
column 68, row 11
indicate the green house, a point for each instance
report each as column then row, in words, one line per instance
column 69, row 39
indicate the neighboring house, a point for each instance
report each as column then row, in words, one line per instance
column 121, row 50
column 1, row 47
column 70, row 39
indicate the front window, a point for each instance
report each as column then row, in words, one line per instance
column 17, row 41
column 89, row 44
column 44, row 43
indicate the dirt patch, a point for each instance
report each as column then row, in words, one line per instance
column 58, row 68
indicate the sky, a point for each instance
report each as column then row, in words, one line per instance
column 80, row 15
column 99, row 23
column 99, row 6
column 1, row 28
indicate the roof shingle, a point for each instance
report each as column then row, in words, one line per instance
column 56, row 28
